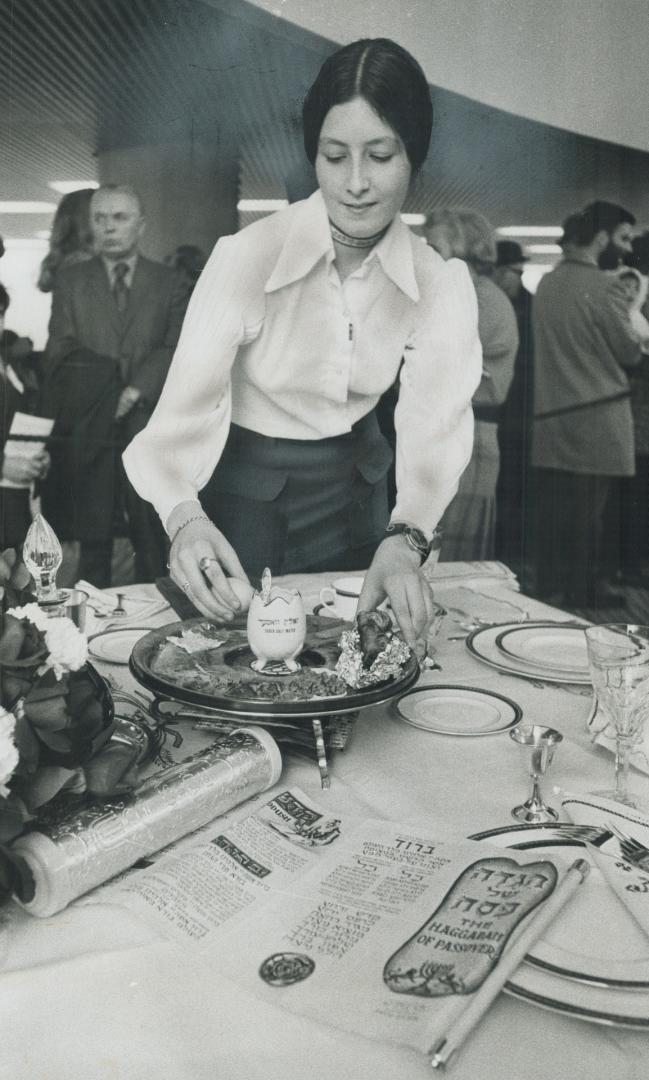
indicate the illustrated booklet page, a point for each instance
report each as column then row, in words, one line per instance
column 388, row 934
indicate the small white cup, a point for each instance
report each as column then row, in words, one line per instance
column 341, row 597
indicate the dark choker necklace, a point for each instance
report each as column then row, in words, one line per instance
column 355, row 241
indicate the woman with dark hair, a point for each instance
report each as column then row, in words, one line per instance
column 296, row 327
column 71, row 236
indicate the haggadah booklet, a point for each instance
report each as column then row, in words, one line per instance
column 389, row 934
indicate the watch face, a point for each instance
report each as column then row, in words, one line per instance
column 415, row 537
column 418, row 539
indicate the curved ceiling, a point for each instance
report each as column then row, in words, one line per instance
column 576, row 64
column 78, row 77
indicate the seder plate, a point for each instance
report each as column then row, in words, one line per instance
column 172, row 673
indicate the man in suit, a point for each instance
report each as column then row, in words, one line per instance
column 114, row 326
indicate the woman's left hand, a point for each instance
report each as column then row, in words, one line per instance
column 395, row 573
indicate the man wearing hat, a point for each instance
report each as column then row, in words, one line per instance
column 513, row 496
column 508, row 271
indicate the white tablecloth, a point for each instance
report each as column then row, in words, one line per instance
column 91, row 994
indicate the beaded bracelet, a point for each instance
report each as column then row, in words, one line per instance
column 196, row 517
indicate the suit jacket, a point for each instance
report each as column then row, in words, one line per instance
column 92, row 352
column 142, row 339
column 14, row 503
column 583, row 344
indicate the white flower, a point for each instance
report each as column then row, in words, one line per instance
column 67, row 646
column 33, row 613
column 8, row 752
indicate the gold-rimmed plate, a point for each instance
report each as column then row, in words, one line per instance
column 557, row 648
column 483, row 644
column 596, row 943
column 451, row 709
column 115, row 646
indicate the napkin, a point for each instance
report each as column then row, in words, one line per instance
column 138, row 608
column 456, row 572
column 103, row 602
column 629, row 882
column 602, row 733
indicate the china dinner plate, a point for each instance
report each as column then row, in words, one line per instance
column 458, row 710
column 599, row 1005
column 483, row 645
column 560, row 648
column 115, row 646
column 580, row 966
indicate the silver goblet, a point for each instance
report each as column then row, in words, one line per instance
column 538, row 744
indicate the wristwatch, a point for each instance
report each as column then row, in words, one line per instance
column 415, row 538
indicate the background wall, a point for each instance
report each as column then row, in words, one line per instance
column 540, row 107
column 578, row 64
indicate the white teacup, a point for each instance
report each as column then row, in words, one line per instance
column 341, row 597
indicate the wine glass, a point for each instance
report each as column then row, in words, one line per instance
column 43, row 555
column 618, row 655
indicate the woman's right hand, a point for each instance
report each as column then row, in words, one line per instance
column 208, row 589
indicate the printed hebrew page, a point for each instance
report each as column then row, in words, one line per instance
column 389, row 934
column 190, row 891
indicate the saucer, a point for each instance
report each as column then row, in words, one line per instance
column 458, row 710
column 115, row 646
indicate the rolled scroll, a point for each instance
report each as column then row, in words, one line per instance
column 88, row 847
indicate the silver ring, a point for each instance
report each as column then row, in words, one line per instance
column 186, row 587
column 205, row 562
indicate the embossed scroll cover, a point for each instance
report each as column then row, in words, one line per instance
column 390, row 934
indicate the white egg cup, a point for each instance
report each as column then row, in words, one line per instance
column 276, row 630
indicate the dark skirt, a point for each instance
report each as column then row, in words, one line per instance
column 299, row 505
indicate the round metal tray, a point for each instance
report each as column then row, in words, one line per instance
column 320, row 650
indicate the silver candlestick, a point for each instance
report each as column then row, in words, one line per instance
column 538, row 743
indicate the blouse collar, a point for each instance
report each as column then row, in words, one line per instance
column 309, row 239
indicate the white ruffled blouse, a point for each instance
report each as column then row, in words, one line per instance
column 275, row 342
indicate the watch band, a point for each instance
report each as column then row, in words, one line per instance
column 415, row 538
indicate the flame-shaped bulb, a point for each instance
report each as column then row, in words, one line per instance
column 42, row 555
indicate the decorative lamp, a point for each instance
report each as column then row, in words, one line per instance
column 43, row 555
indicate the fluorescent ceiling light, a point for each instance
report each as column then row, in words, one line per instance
column 24, row 243
column 64, row 187
column 16, row 206
column 43, row 234
column 530, row 230
column 413, row 219
column 267, row 205
column 543, row 249
column 533, row 273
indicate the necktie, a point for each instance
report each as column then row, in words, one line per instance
column 120, row 288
